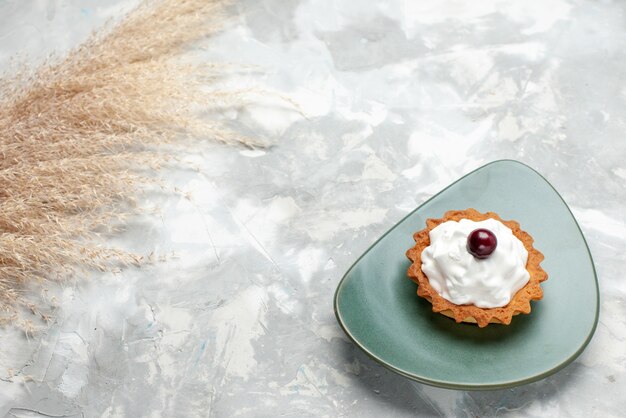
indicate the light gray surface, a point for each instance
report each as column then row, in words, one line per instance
column 401, row 98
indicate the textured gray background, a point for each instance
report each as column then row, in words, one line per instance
column 401, row 98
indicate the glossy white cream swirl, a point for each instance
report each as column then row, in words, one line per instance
column 461, row 278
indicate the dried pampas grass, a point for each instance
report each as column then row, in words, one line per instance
column 75, row 133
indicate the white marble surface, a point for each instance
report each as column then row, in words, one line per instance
column 401, row 98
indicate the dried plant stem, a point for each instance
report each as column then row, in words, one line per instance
column 74, row 132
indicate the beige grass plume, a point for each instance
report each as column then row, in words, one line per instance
column 74, row 131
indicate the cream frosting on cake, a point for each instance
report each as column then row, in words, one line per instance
column 459, row 277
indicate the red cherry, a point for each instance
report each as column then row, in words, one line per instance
column 481, row 243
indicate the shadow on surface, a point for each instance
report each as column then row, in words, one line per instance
column 407, row 396
column 388, row 386
column 472, row 333
column 490, row 402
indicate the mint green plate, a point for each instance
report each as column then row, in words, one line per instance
column 377, row 306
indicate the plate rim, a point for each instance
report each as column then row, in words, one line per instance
column 463, row 386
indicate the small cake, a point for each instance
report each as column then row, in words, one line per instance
column 475, row 267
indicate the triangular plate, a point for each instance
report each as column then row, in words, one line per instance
column 377, row 306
